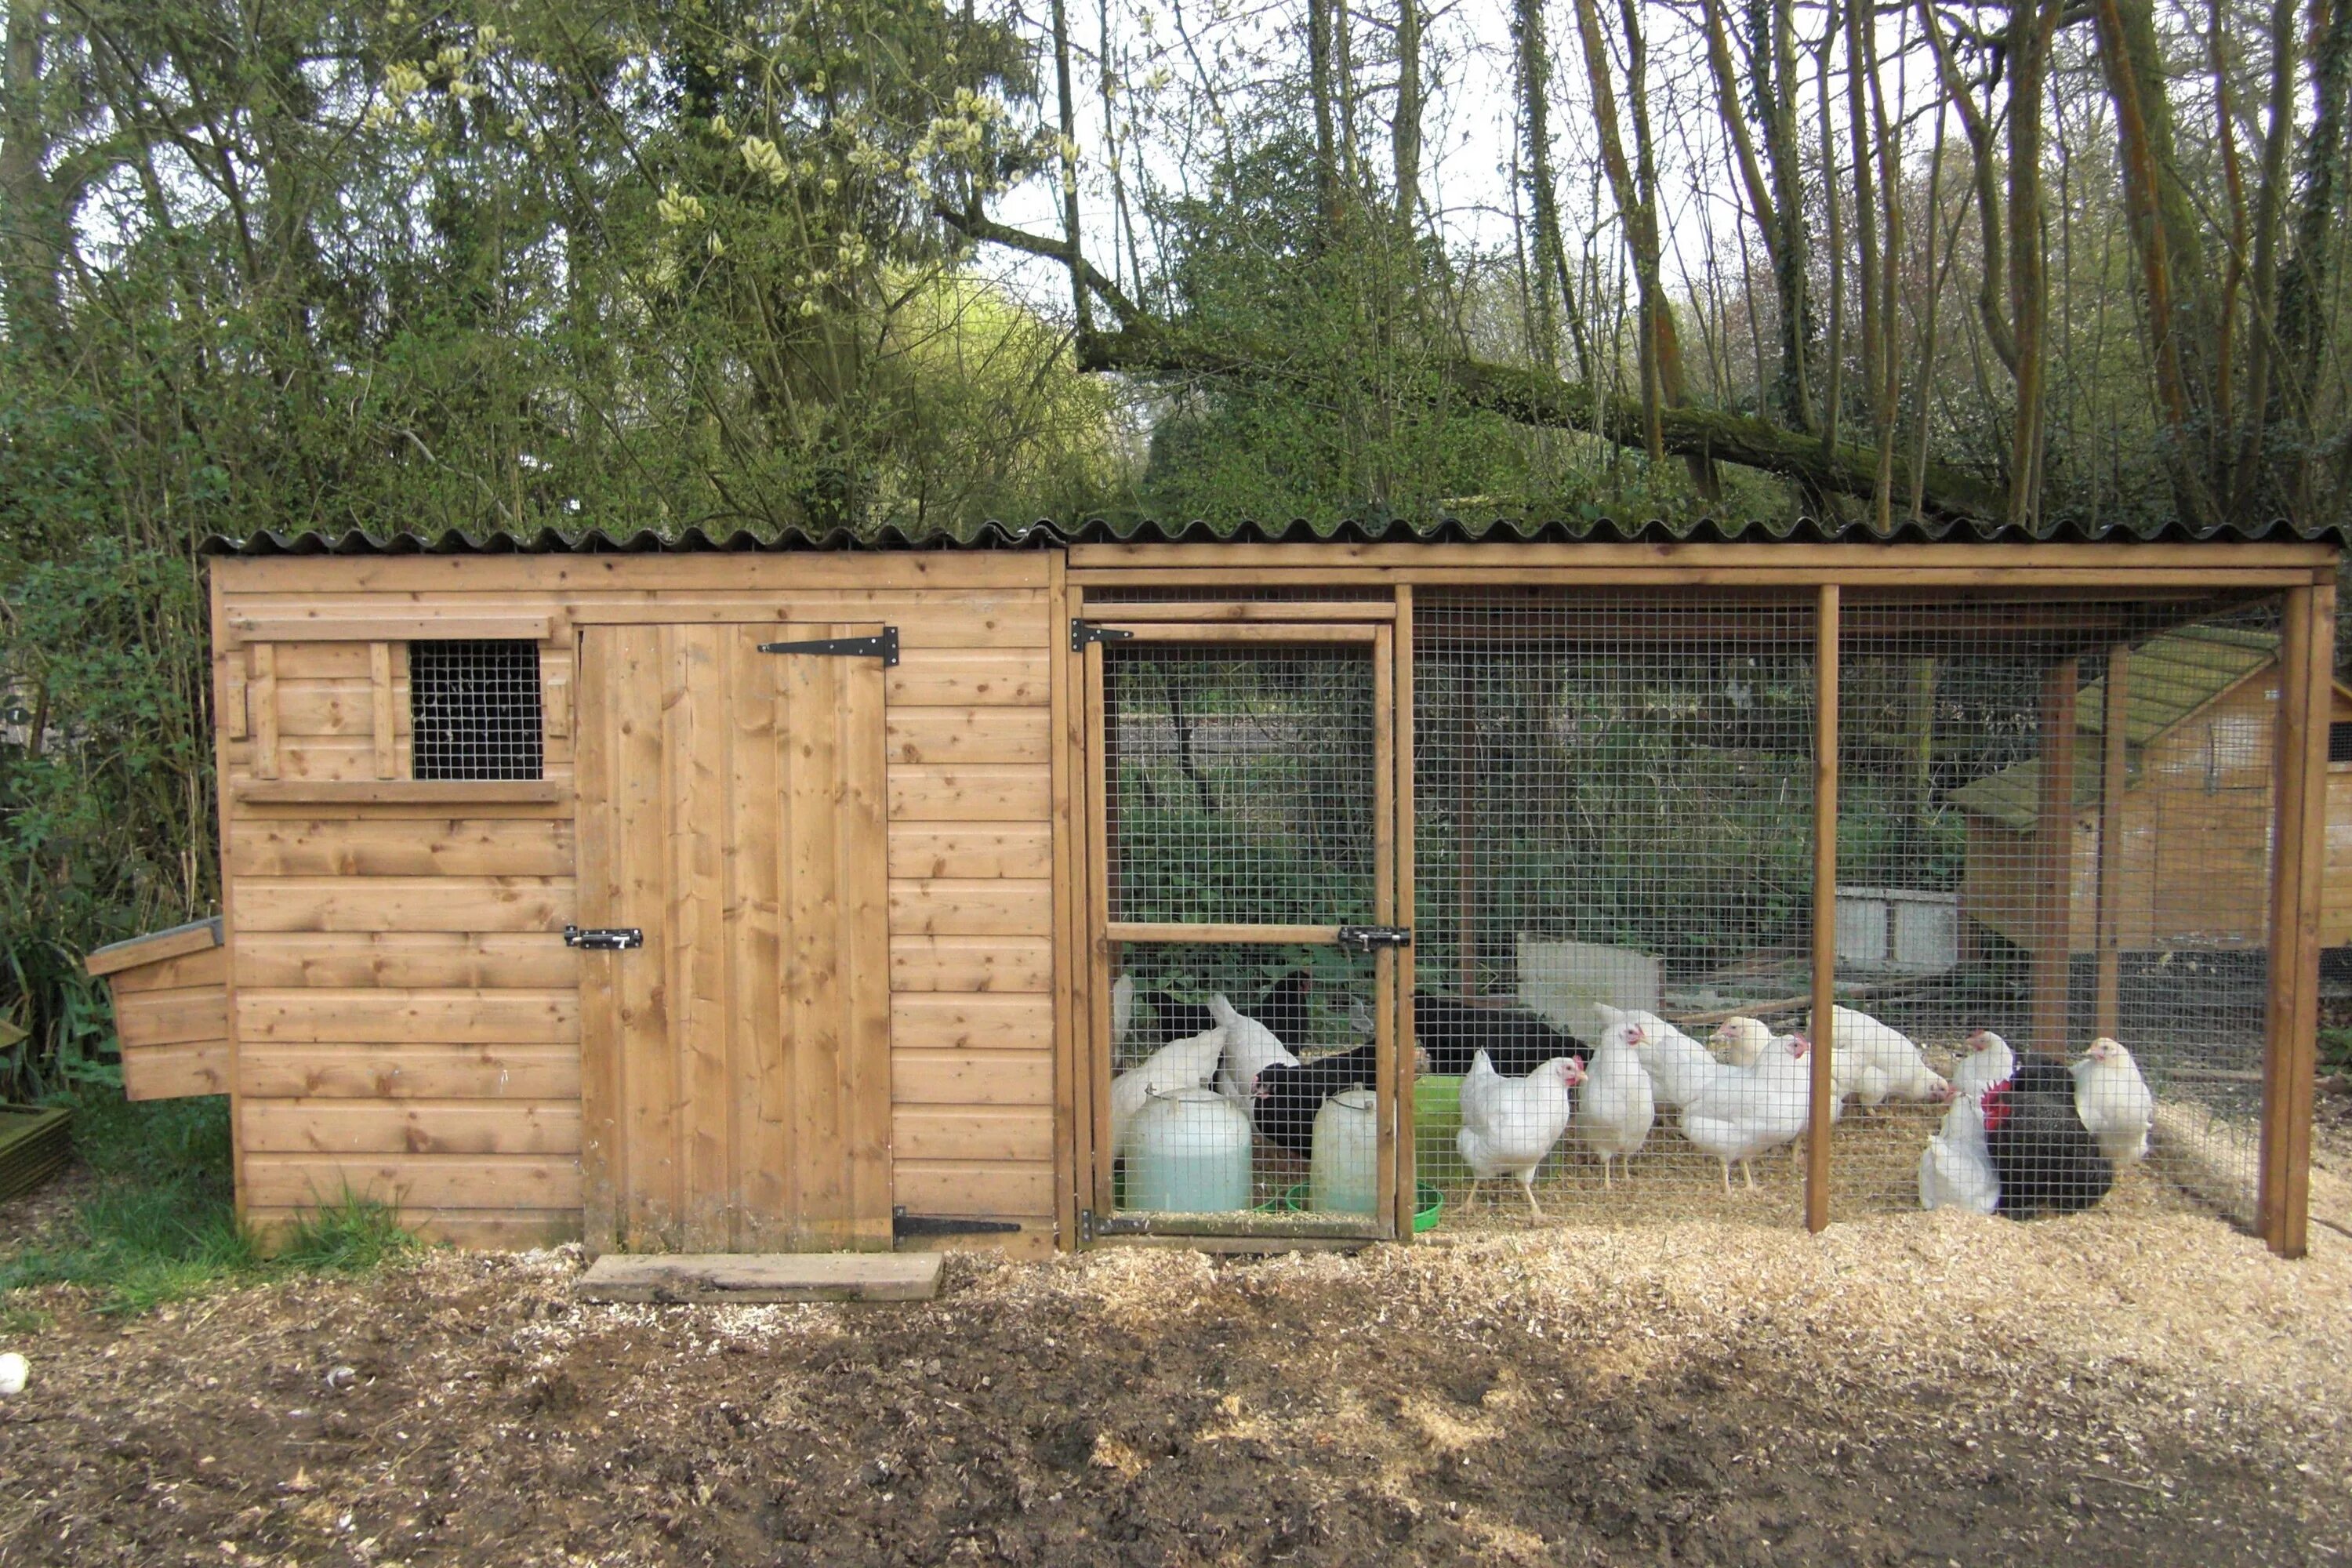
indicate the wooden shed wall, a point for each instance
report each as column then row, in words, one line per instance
column 2196, row 841
column 406, row 1017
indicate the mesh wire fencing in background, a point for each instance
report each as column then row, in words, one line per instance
column 474, row 710
column 1614, row 795
column 1955, row 905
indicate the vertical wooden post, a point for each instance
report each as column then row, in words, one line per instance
column 1824, row 933
column 1098, row 872
column 2053, row 868
column 1387, row 1119
column 262, row 699
column 1407, row 1163
column 2306, row 690
column 2113, row 777
column 1072, row 1139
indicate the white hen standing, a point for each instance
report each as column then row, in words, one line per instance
column 1753, row 1111
column 1179, row 1064
column 1680, row 1069
column 1985, row 1060
column 1955, row 1170
column 1616, row 1108
column 1250, row 1048
column 2114, row 1101
column 1509, row 1124
column 1874, row 1063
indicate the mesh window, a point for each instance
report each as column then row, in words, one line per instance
column 474, row 710
column 2339, row 743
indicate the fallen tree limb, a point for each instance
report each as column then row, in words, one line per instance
column 1145, row 345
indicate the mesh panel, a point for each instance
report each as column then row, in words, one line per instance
column 474, row 710
column 1241, row 784
column 1614, row 803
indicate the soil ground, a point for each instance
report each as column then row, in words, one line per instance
column 2115, row 1388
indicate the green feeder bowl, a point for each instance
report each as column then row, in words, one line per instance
column 1429, row 1204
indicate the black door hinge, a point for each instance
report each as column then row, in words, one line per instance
column 1363, row 939
column 883, row 645
column 603, row 939
column 1085, row 632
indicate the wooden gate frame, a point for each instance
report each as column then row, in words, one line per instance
column 2303, row 574
column 1376, row 626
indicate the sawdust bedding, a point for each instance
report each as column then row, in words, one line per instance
column 2112, row 1387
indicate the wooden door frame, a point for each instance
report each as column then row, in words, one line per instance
column 1376, row 628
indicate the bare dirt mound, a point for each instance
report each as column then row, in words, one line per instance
column 1927, row 1389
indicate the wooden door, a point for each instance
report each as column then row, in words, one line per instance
column 735, row 1069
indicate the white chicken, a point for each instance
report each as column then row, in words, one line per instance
column 2114, row 1101
column 1955, row 1170
column 1616, row 1107
column 1250, row 1048
column 1753, row 1111
column 1509, row 1124
column 1188, row 1063
column 1985, row 1060
column 1740, row 1041
column 1122, row 1011
column 1871, row 1063
column 1680, row 1069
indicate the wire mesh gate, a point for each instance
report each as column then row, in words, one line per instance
column 2055, row 823
column 1244, row 833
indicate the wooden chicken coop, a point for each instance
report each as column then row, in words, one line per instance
column 737, row 896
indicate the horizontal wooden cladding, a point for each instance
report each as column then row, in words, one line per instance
column 971, row 849
column 209, row 967
column 407, row 1127
column 945, row 1021
column 1250, row 935
column 489, row 1230
column 2120, row 558
column 988, row 964
column 370, row 1016
column 175, row 1073
column 975, row 791
column 423, row 960
column 1007, row 1191
column 1261, row 632
column 510, row 1182
column 967, row 734
column 451, row 795
column 782, row 571
column 997, row 620
column 405, row 904
column 172, row 1017
column 971, row 1078
column 960, row 906
column 353, row 624
column 308, row 707
column 974, row 1134
column 460, row 846
column 199, row 936
column 409, row 1071
column 978, row 678
column 340, row 759
column 1248, row 610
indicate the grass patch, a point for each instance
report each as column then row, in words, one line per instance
column 160, row 1223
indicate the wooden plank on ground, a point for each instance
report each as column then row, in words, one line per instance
column 755, row 1276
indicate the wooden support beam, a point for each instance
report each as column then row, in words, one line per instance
column 1387, row 1118
column 2305, row 696
column 1824, row 925
column 2054, row 867
column 1407, row 1163
column 2113, row 776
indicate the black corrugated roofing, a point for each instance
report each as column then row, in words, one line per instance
column 1046, row 533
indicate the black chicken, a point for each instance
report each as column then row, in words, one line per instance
column 1287, row 1098
column 1282, row 1008
column 1451, row 1031
column 2048, row 1162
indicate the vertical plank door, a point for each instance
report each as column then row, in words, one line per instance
column 735, row 1069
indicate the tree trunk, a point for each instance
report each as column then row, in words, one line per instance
column 1404, row 138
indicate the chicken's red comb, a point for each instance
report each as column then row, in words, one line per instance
column 1994, row 1103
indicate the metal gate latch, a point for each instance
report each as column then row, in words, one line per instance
column 883, row 645
column 1363, row 939
column 603, row 939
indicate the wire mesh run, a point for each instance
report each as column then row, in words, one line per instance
column 2054, row 886
column 1241, row 784
column 474, row 710
column 1614, row 797
column 1243, row 1082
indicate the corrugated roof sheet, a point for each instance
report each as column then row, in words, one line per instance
column 2172, row 676
column 1045, row 533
